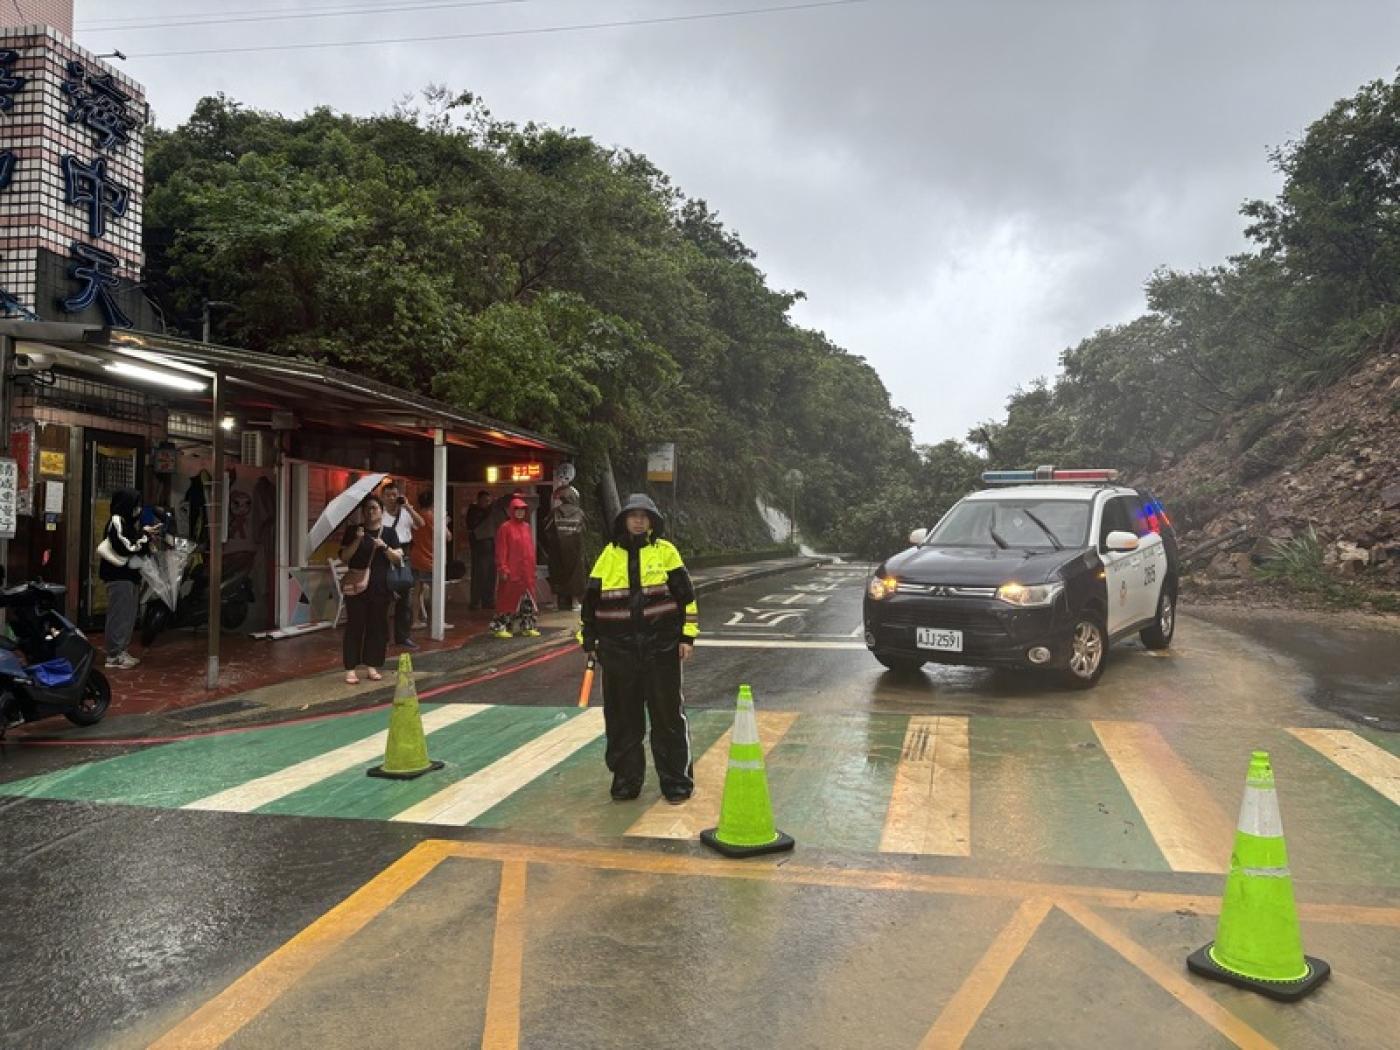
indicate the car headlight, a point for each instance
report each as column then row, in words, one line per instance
column 1028, row 595
column 881, row 587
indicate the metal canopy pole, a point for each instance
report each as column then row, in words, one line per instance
column 214, row 503
column 438, row 626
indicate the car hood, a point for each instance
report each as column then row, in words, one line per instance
column 979, row 566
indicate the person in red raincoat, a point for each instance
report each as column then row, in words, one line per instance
column 515, row 574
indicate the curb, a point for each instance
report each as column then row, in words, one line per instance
column 481, row 660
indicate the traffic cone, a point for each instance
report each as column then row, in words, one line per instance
column 1257, row 943
column 406, row 753
column 745, row 812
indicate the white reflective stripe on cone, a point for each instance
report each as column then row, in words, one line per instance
column 1259, row 815
column 1268, row 873
column 745, row 726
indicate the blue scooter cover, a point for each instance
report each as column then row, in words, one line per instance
column 53, row 674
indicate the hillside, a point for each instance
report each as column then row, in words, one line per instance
column 1327, row 463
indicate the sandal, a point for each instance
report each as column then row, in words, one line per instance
column 351, row 678
column 373, row 675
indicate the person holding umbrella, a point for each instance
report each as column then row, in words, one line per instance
column 639, row 615
column 367, row 551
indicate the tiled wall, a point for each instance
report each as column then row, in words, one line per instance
column 56, row 13
column 33, row 211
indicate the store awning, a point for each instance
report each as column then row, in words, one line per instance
column 313, row 392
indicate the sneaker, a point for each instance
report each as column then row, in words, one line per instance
column 122, row 662
column 502, row 633
column 531, row 633
column 408, row 643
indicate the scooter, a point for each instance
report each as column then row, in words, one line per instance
column 50, row 668
column 187, row 583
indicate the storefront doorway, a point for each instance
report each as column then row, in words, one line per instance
column 110, row 462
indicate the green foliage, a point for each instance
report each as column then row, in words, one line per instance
column 529, row 274
column 1297, row 561
column 1319, row 295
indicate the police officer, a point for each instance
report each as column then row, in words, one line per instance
column 639, row 615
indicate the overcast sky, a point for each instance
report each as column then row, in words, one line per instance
column 962, row 189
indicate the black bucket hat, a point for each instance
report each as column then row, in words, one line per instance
column 638, row 501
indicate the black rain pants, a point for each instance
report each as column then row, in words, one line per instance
column 637, row 687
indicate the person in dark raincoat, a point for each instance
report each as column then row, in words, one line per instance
column 639, row 615
column 564, row 537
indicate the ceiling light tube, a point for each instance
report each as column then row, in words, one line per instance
column 150, row 375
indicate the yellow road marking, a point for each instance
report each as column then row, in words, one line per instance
column 1171, row 978
column 930, row 807
column 502, row 1030
column 217, row 1020
column 224, row 1015
column 246, row 797
column 965, row 1008
column 460, row 803
column 777, row 871
column 665, row 821
column 1374, row 766
column 1188, row 826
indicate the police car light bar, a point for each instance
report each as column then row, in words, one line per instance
column 1047, row 475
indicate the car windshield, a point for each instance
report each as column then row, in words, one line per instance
column 1012, row 522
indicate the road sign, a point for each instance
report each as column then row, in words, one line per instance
column 661, row 462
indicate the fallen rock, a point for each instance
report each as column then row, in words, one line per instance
column 1390, row 497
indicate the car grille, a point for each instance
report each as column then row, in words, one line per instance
column 977, row 620
column 944, row 590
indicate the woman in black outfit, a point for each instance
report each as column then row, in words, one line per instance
column 126, row 539
column 375, row 546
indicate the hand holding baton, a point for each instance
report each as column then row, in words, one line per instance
column 587, row 687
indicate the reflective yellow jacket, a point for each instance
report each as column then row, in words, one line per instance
column 639, row 598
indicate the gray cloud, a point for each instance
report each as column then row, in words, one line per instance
column 962, row 189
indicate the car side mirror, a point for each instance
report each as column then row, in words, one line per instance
column 1121, row 541
column 918, row 536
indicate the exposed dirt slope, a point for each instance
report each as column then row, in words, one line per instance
column 1329, row 461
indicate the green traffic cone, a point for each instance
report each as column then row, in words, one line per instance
column 1258, row 945
column 746, row 812
column 406, row 753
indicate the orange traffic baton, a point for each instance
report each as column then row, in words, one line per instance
column 587, row 687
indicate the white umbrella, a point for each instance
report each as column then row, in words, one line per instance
column 340, row 508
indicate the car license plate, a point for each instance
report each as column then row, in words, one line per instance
column 936, row 638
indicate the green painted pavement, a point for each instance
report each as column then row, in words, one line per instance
column 1044, row 792
column 830, row 779
column 1338, row 829
column 572, row 799
column 172, row 775
column 467, row 747
column 1388, row 741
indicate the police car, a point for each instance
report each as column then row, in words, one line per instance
column 1045, row 568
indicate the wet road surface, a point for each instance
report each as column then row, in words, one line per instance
column 976, row 850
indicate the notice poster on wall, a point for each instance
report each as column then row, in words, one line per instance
column 22, row 449
column 9, row 481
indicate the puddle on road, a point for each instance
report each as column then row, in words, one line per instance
column 1355, row 671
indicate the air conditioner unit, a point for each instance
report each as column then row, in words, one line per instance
column 257, row 448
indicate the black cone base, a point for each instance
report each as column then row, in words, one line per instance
column 781, row 844
column 1200, row 962
column 380, row 771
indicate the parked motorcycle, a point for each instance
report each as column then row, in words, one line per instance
column 177, row 589
column 50, row 668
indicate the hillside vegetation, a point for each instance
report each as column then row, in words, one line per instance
column 528, row 273
column 535, row 275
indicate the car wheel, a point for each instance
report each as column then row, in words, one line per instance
column 1088, row 648
column 1159, row 634
column 900, row 664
